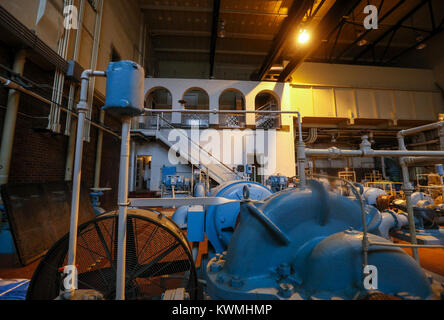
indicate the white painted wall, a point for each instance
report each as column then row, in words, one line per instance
column 284, row 144
column 159, row 159
column 345, row 91
column 325, row 90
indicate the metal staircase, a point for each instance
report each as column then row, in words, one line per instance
column 217, row 170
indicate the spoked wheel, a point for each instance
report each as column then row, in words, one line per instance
column 158, row 258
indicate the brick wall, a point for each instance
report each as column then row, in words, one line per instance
column 39, row 155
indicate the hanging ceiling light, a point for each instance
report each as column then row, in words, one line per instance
column 303, row 36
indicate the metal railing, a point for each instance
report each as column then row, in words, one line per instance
column 167, row 124
column 232, row 120
column 267, row 121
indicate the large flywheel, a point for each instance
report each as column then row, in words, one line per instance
column 158, row 259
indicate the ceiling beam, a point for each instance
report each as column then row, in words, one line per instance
column 206, row 34
column 392, row 29
column 297, row 12
column 175, row 8
column 213, row 41
column 326, row 27
column 210, row 10
column 206, row 51
column 362, row 36
column 433, row 34
column 253, row 12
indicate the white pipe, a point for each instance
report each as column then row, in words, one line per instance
column 71, row 147
column 10, row 121
column 384, row 173
column 81, row 108
column 68, row 122
column 389, row 221
column 98, row 165
column 59, row 80
column 94, row 57
column 123, row 206
column 132, row 182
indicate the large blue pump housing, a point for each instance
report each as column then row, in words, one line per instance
column 308, row 245
column 125, row 88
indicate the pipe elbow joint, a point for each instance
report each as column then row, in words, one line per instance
column 86, row 74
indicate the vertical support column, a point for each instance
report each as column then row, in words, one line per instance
column 82, row 109
column 132, row 178
column 10, row 121
column 70, row 153
column 99, row 152
column 408, row 190
column 441, row 138
column 123, row 207
column 301, row 156
column 76, row 187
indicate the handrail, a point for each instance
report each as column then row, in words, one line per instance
column 199, row 146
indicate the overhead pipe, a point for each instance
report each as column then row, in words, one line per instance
column 15, row 86
column 407, row 185
column 10, row 120
column 366, row 151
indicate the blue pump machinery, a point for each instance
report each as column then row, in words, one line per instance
column 277, row 183
column 174, row 184
column 218, row 222
column 96, row 194
column 308, row 245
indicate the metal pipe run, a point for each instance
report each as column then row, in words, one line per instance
column 15, row 86
column 82, row 108
column 407, row 186
column 337, row 153
column 216, row 111
column 123, row 208
column 366, row 151
column 10, row 121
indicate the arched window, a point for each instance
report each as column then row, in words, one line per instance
column 267, row 101
column 158, row 98
column 196, row 99
column 232, row 100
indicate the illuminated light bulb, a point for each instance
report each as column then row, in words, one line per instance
column 362, row 43
column 304, row 36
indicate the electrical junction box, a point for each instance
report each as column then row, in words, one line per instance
column 196, row 224
column 124, row 89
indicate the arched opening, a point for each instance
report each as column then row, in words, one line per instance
column 232, row 100
column 267, row 101
column 158, row 98
column 196, row 99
